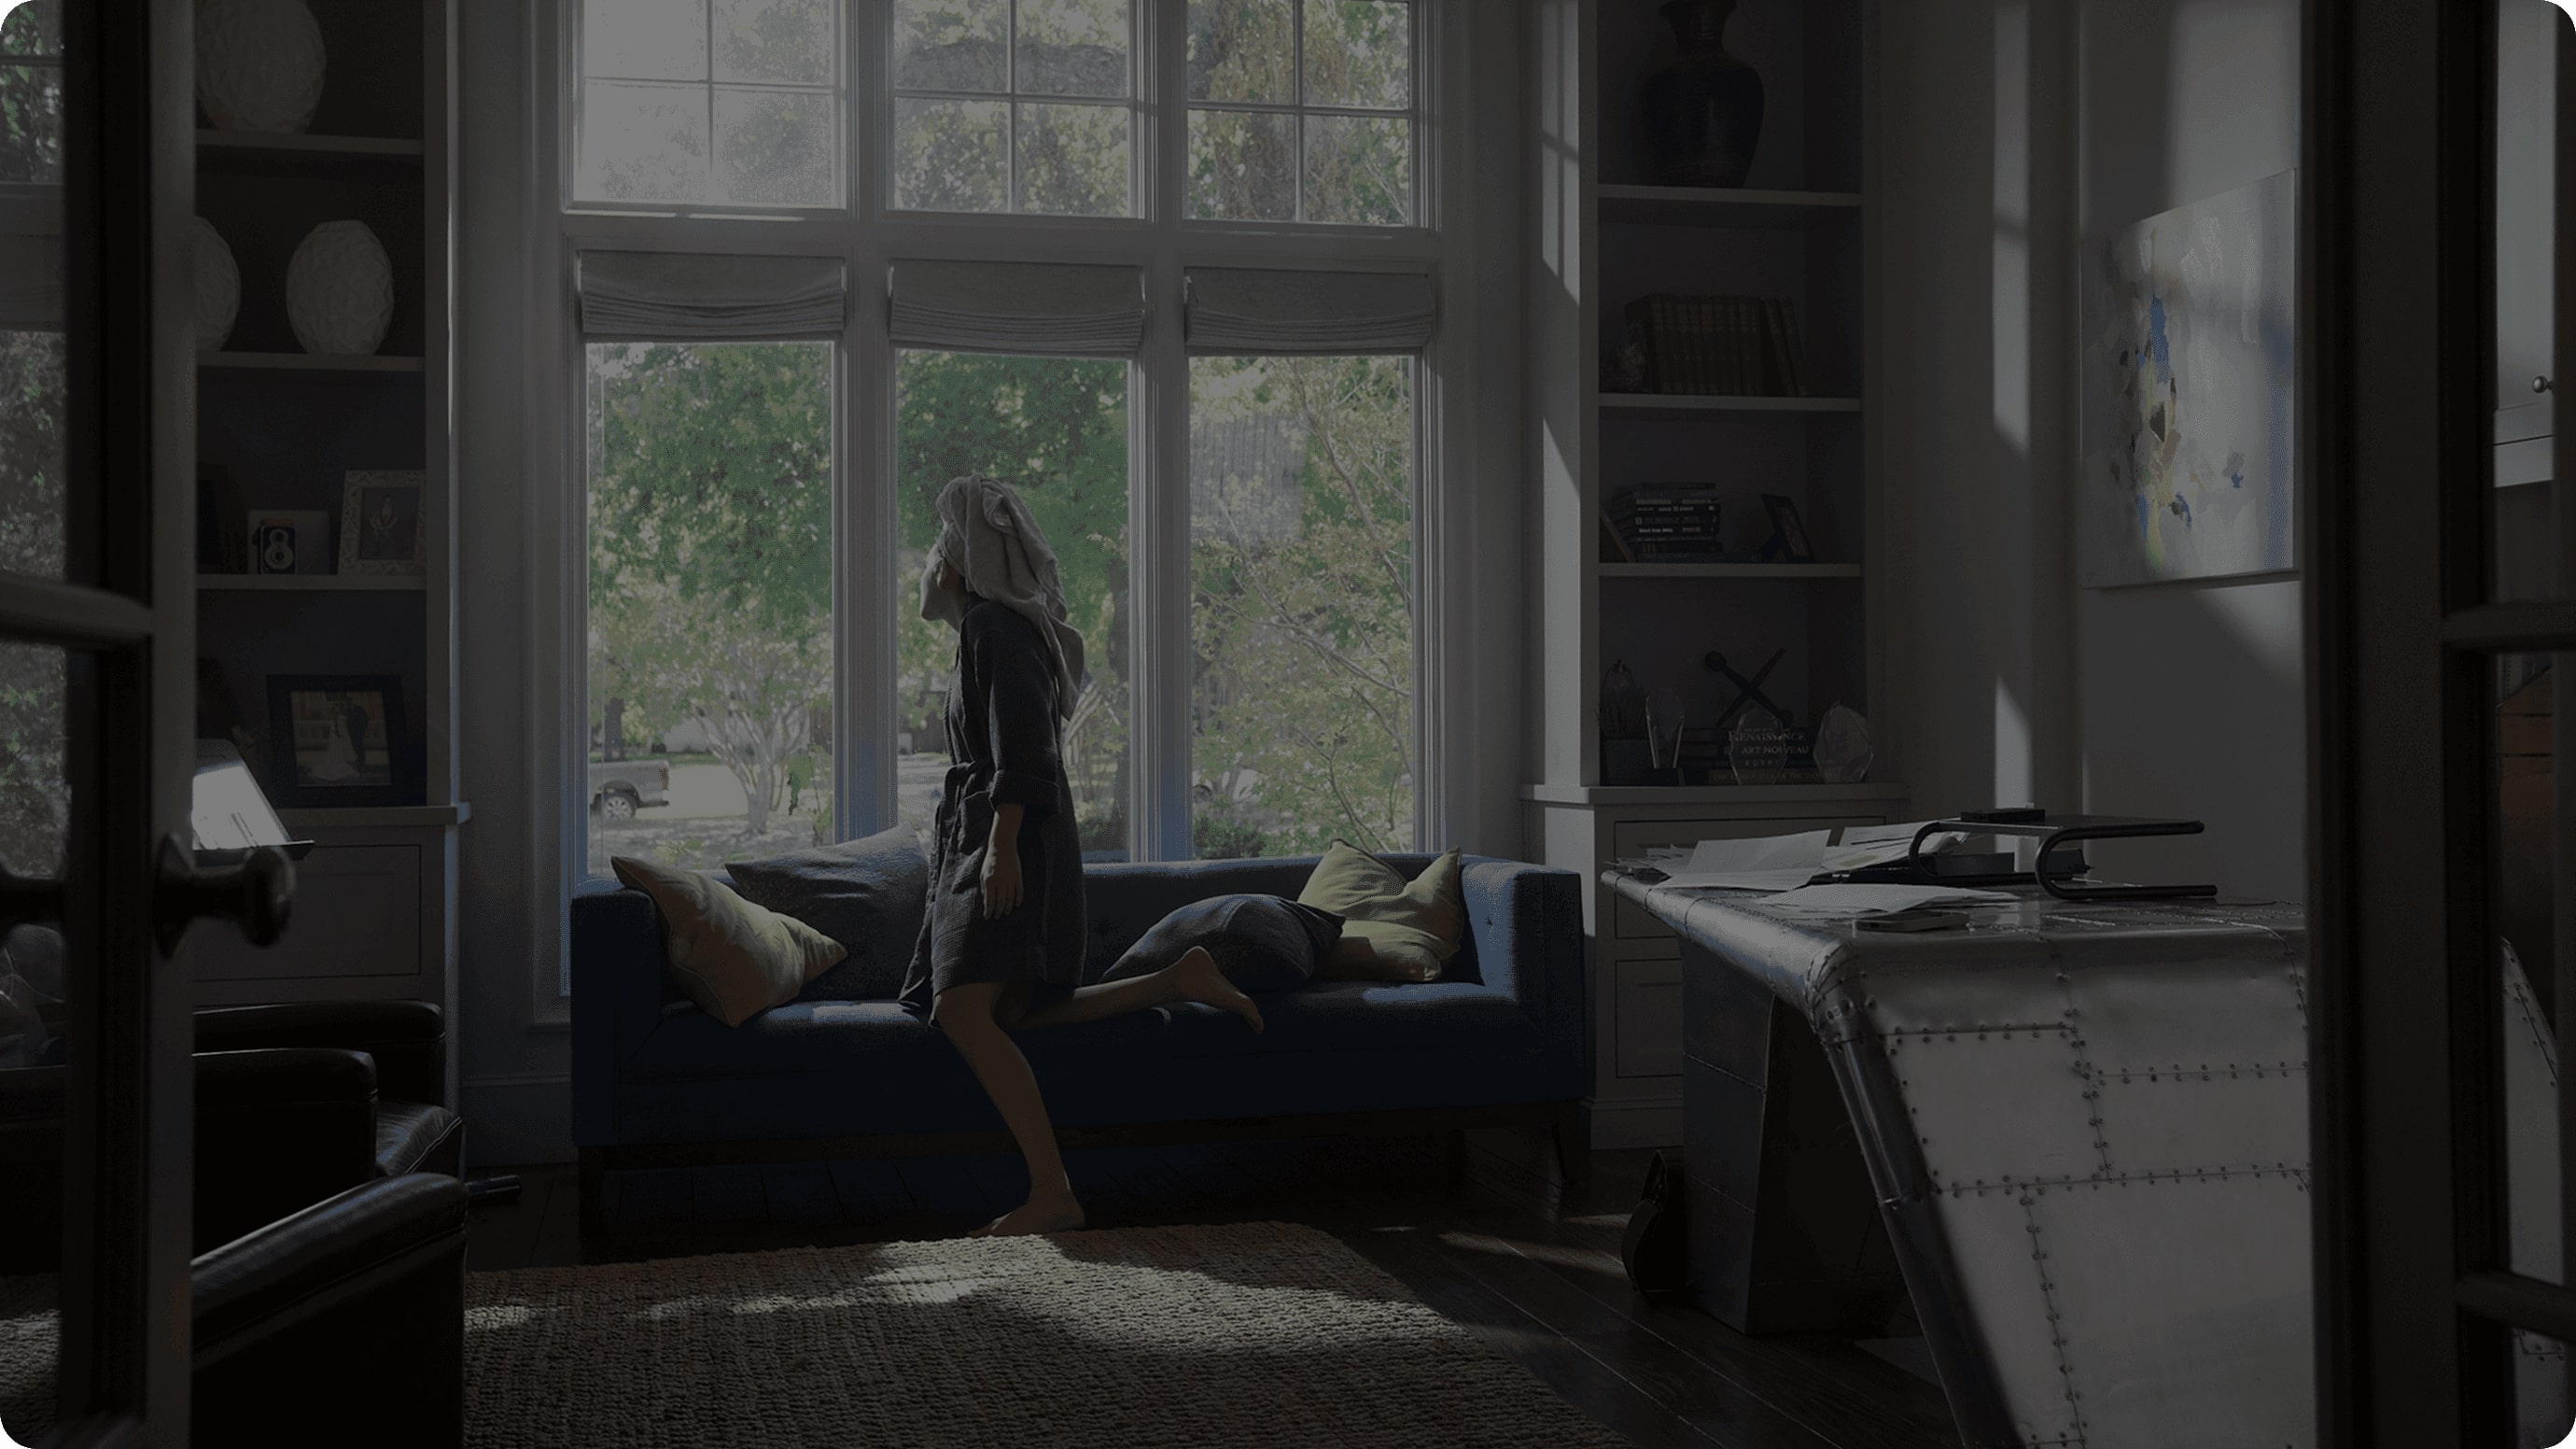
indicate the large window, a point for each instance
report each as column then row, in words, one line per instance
column 1014, row 105
column 1302, row 604
column 728, row 102
column 1054, row 428
column 710, row 600
column 1301, row 110
column 1187, row 309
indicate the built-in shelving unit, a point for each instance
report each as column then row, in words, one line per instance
column 1608, row 233
column 312, row 583
column 280, row 429
column 307, row 362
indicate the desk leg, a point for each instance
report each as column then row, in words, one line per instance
column 1783, row 1226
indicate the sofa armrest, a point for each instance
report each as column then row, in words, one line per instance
column 342, row 1322
column 277, row 1131
column 616, row 939
column 408, row 1039
column 1527, row 923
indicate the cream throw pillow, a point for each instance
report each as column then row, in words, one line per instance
column 733, row 958
column 1392, row 930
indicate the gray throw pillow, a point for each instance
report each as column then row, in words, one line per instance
column 869, row 895
column 1261, row 943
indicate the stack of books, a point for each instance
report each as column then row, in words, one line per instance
column 1719, row 346
column 1667, row 524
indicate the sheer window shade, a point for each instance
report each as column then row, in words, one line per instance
column 685, row 297
column 1232, row 310
column 1048, row 308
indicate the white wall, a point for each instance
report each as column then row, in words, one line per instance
column 2017, row 127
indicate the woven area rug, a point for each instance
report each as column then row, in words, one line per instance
column 1247, row 1334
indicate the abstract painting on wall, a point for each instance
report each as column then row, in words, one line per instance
column 2189, row 391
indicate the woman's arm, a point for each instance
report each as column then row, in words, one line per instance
column 1001, row 880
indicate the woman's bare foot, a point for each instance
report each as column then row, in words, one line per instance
column 1049, row 1214
column 1197, row 979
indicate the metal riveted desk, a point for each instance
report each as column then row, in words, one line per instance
column 2084, row 1129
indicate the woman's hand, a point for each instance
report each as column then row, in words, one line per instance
column 1001, row 880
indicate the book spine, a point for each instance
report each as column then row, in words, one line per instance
column 1796, row 354
column 1641, row 320
column 1670, row 345
column 1748, row 345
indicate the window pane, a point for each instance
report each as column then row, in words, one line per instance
column 950, row 156
column 31, row 95
column 789, row 41
column 37, row 1029
column 1055, row 429
column 1359, row 53
column 952, row 45
column 643, row 142
column 2534, row 955
column 1074, row 47
column 34, row 505
column 1073, row 159
column 710, row 600
column 777, row 146
column 1243, row 50
column 1243, row 166
column 1359, row 169
column 1302, row 604
column 644, row 39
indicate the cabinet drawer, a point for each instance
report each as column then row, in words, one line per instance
column 1648, row 1018
column 1630, row 838
column 357, row 913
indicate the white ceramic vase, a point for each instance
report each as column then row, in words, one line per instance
column 218, row 289
column 340, row 290
column 259, row 64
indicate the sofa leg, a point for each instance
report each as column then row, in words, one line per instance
column 594, row 1172
column 1573, row 1134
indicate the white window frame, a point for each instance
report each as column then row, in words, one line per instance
column 1011, row 98
column 575, row 82
column 871, row 234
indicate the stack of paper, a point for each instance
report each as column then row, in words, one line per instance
column 1787, row 862
column 1879, row 900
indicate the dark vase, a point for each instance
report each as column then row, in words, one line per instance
column 1703, row 111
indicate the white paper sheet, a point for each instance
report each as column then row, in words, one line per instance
column 1866, row 845
column 1784, row 878
column 1880, row 900
column 1762, row 863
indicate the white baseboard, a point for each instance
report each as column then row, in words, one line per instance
column 517, row 1121
column 1654, row 1122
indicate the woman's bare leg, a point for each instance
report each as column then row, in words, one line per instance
column 967, row 1014
column 1194, row 977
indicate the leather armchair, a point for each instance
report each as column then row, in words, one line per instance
column 415, row 1128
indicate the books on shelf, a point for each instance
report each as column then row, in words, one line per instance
column 1719, row 346
column 1665, row 524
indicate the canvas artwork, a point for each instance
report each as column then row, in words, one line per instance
column 2189, row 392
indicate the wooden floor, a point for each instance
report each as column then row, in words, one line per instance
column 1481, row 1231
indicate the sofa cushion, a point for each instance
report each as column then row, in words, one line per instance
column 1392, row 929
column 733, row 958
column 1261, row 942
column 868, row 895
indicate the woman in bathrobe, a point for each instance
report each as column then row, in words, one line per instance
column 1001, row 945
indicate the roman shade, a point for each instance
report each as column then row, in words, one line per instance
column 1233, row 310
column 1054, row 308
column 683, row 296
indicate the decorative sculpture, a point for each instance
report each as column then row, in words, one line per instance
column 259, row 64
column 340, row 290
column 218, row 288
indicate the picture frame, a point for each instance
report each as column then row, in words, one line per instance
column 383, row 529
column 1788, row 532
column 337, row 740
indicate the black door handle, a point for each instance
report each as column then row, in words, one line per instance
column 256, row 895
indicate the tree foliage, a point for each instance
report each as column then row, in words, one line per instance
column 711, row 564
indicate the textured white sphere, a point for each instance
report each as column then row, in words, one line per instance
column 218, row 289
column 259, row 64
column 340, row 289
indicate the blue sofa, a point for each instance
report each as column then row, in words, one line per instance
column 659, row 1083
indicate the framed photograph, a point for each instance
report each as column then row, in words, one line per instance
column 336, row 739
column 380, row 523
column 1788, row 535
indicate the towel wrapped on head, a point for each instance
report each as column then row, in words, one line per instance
column 991, row 542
